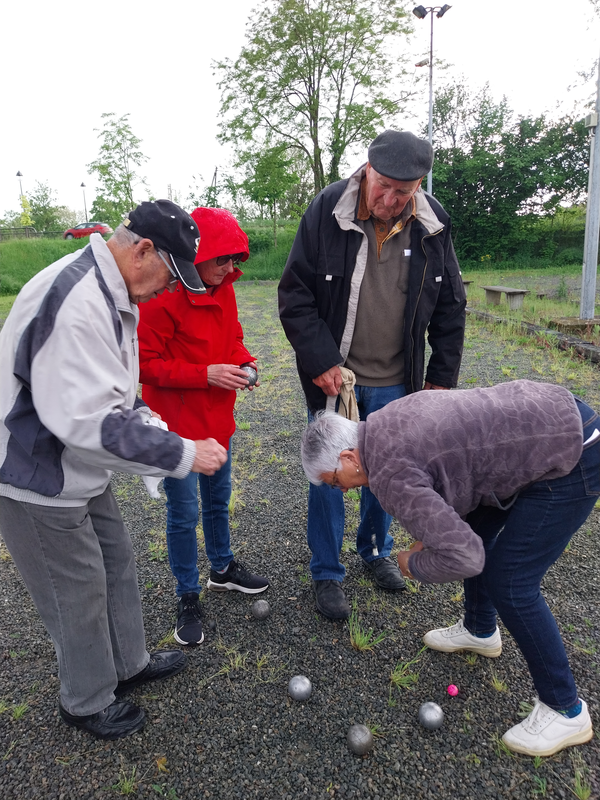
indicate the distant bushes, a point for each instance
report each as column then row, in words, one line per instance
column 21, row 259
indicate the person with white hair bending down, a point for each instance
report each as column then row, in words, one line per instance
column 492, row 484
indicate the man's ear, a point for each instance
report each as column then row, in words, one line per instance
column 144, row 248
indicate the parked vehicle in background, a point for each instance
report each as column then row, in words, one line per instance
column 85, row 229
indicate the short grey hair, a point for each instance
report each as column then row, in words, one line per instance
column 323, row 441
column 124, row 237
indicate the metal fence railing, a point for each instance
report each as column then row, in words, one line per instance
column 28, row 233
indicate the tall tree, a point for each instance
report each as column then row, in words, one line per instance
column 115, row 169
column 496, row 174
column 318, row 75
column 269, row 178
column 43, row 209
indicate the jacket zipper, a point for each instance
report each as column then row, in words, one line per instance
column 412, row 338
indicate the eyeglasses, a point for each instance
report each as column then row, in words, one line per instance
column 334, row 479
column 167, row 265
column 235, row 258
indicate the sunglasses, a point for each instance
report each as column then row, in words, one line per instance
column 235, row 258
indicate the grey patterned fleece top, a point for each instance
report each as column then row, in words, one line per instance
column 432, row 457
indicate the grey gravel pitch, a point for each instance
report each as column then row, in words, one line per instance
column 226, row 727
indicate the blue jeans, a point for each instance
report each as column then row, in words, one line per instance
column 521, row 544
column 325, row 527
column 182, row 519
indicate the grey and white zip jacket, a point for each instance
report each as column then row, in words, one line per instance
column 68, row 387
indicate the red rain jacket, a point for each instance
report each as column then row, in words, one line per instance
column 180, row 334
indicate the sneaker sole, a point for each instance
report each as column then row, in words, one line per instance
column 581, row 737
column 488, row 652
column 181, row 641
column 234, row 587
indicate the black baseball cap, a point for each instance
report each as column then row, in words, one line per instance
column 171, row 229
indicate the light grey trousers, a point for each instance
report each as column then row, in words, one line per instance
column 79, row 567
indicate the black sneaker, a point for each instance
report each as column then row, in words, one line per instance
column 188, row 629
column 237, row 577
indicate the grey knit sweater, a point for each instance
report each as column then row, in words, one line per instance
column 433, row 457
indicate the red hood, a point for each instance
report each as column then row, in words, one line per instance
column 220, row 234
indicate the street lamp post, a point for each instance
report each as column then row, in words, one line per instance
column 19, row 176
column 421, row 12
column 84, row 205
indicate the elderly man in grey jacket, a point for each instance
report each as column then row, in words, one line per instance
column 69, row 415
column 491, row 483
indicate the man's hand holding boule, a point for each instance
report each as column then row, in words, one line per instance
column 210, row 456
column 330, row 382
column 404, row 555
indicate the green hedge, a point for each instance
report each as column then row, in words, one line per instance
column 21, row 259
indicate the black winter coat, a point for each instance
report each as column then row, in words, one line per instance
column 315, row 288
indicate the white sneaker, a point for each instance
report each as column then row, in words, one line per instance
column 545, row 731
column 457, row 638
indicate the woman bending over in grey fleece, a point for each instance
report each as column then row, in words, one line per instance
column 492, row 484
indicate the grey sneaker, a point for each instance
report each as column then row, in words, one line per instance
column 457, row 638
column 331, row 600
column 386, row 574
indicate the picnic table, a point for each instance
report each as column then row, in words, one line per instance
column 514, row 297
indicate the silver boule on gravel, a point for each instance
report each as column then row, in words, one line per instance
column 360, row 739
column 260, row 609
column 251, row 373
column 431, row 716
column 299, row 687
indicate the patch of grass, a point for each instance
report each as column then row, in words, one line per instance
column 126, row 784
column 402, row 676
column 20, row 710
column 235, row 502
column 360, row 638
column 243, row 426
column 500, row 747
column 157, row 545
column 498, row 684
column 540, row 785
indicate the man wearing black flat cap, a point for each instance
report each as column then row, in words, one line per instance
column 371, row 273
column 69, row 416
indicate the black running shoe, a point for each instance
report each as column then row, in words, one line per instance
column 236, row 577
column 188, row 629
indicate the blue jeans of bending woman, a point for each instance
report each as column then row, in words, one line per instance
column 326, row 517
column 182, row 520
column 521, row 544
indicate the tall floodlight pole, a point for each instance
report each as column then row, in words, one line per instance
column 421, row 12
column 84, row 205
column 592, row 216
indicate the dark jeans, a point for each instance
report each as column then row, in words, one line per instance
column 326, row 515
column 182, row 520
column 521, row 544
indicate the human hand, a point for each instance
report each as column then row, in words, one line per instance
column 433, row 386
column 210, row 456
column 330, row 382
column 226, row 376
column 404, row 555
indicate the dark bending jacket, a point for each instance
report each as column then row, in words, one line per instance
column 319, row 289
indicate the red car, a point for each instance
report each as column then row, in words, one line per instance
column 85, row 229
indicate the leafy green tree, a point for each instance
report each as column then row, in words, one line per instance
column 25, row 216
column 496, row 174
column 269, row 178
column 115, row 169
column 320, row 76
column 44, row 211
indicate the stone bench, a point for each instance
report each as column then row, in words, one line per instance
column 514, row 297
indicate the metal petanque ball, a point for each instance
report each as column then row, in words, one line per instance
column 431, row 716
column 299, row 687
column 251, row 373
column 260, row 609
column 360, row 739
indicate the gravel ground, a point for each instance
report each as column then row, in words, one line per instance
column 225, row 727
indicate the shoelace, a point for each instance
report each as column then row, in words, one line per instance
column 538, row 719
column 190, row 612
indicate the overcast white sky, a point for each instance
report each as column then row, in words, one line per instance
column 65, row 63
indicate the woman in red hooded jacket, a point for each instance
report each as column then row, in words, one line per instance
column 191, row 353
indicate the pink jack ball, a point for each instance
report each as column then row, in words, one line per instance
column 452, row 690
